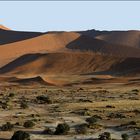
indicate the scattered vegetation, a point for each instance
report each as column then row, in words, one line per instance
column 116, row 115
column 11, row 95
column 29, row 124
column 62, row 129
column 91, row 120
column 42, row 99
column 23, row 105
column 124, row 137
column 110, row 106
column 20, row 135
column 81, row 129
column 7, row 127
column 105, row 136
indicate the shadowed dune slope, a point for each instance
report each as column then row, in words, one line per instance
column 33, row 80
column 63, row 42
column 84, row 43
column 127, row 66
column 127, row 38
column 53, row 63
column 71, row 53
column 9, row 36
column 69, row 63
column 45, row 43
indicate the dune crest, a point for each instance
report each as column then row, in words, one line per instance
column 4, row 27
column 31, row 54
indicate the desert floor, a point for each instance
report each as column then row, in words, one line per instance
column 115, row 102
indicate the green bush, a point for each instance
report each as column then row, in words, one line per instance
column 124, row 137
column 135, row 90
column 97, row 117
column 24, row 105
column 81, row 129
column 20, row 135
column 110, row 106
column 105, row 136
column 4, row 106
column 132, row 123
column 29, row 124
column 91, row 120
column 62, row 129
column 11, row 95
column 7, row 127
column 43, row 99
column 116, row 115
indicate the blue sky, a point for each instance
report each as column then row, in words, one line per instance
column 70, row 15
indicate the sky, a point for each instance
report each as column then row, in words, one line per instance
column 70, row 15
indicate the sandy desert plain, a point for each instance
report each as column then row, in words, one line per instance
column 69, row 85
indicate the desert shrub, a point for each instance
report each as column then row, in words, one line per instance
column 91, row 120
column 83, row 112
column 97, row 117
column 11, row 95
column 7, row 127
column 24, row 105
column 124, row 137
column 95, row 126
column 86, row 113
column 17, row 123
column 20, row 135
column 43, row 99
column 48, row 131
column 81, row 129
column 4, row 105
column 116, row 115
column 29, row 124
column 105, row 136
column 135, row 90
column 110, row 106
column 62, row 129
column 136, row 111
column 85, row 100
column 132, row 123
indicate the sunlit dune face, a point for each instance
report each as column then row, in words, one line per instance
column 3, row 27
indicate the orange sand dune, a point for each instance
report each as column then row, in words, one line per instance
column 70, row 63
column 3, row 27
column 84, row 43
column 33, row 80
column 10, row 36
column 61, row 42
column 43, row 43
column 36, row 54
column 54, row 63
column 128, row 38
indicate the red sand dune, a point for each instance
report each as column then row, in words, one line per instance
column 70, row 53
column 62, row 42
column 33, row 80
column 44, row 43
column 54, row 63
column 70, row 63
column 10, row 36
column 127, row 38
